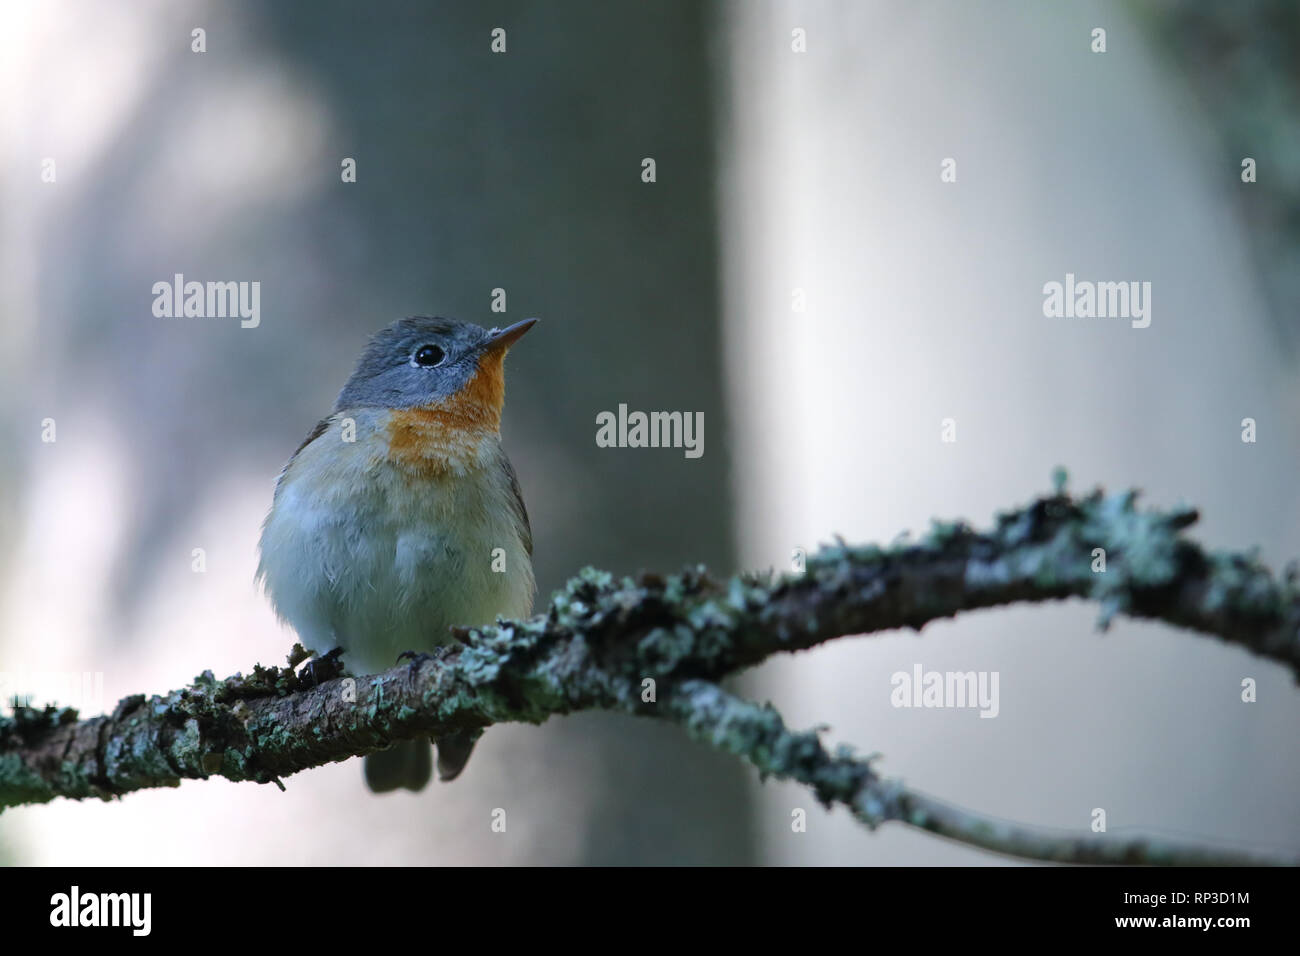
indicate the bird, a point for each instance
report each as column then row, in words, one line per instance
column 400, row 517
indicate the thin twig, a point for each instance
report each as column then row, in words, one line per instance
column 603, row 642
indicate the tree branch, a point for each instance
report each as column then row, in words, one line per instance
column 757, row 733
column 602, row 640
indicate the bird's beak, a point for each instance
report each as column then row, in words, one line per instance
column 504, row 338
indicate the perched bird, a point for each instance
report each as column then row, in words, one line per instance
column 400, row 516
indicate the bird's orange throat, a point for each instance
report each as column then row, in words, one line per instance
column 447, row 435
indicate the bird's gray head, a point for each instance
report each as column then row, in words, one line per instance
column 421, row 360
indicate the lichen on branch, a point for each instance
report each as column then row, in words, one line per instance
column 603, row 638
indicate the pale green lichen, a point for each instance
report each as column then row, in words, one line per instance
column 601, row 637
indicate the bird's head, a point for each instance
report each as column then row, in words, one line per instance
column 433, row 363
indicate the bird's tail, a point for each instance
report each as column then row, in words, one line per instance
column 407, row 763
column 453, row 753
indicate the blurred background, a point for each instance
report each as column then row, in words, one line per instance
column 797, row 270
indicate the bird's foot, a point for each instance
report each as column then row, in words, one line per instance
column 322, row 668
column 419, row 657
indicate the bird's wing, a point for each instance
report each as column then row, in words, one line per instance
column 521, row 512
column 321, row 427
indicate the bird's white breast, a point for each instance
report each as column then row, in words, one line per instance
column 360, row 553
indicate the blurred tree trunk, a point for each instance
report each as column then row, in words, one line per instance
column 522, row 171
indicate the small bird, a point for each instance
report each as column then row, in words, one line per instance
column 400, row 516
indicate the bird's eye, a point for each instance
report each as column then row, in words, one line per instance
column 427, row 356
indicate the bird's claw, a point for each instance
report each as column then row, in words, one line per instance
column 324, row 667
column 417, row 658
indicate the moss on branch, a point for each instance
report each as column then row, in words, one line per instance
column 603, row 637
